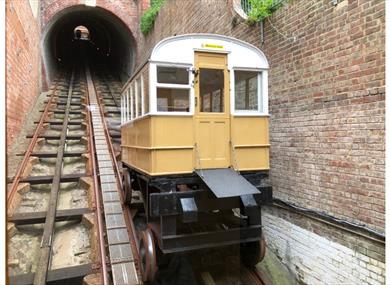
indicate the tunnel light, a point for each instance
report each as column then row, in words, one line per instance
column 91, row 3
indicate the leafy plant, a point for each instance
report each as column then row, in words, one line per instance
column 261, row 9
column 148, row 18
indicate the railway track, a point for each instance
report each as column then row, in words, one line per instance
column 56, row 228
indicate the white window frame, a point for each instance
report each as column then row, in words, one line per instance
column 153, row 85
column 122, row 113
column 127, row 113
column 262, row 93
column 142, row 95
column 132, row 115
column 139, row 96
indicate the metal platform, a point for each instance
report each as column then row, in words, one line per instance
column 121, row 256
column 226, row 183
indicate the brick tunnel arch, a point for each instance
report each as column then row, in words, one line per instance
column 111, row 44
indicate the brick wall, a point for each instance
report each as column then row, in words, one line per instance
column 22, row 64
column 126, row 10
column 326, row 100
column 325, row 255
column 327, row 106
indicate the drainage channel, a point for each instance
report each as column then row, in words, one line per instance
column 52, row 224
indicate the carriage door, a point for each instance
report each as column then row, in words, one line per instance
column 212, row 112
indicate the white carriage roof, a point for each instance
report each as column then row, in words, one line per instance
column 180, row 50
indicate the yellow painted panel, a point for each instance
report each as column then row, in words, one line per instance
column 138, row 158
column 137, row 133
column 250, row 130
column 172, row 161
column 252, row 158
column 204, row 142
column 172, row 131
column 220, row 142
column 212, row 60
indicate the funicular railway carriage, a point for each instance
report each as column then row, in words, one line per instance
column 195, row 144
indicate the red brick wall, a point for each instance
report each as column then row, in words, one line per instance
column 22, row 64
column 326, row 92
column 126, row 10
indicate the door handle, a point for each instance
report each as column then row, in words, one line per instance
column 196, row 101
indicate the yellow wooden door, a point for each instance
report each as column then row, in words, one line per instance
column 212, row 111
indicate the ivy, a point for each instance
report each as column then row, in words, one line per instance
column 261, row 9
column 148, row 18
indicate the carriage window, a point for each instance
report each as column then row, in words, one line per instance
column 139, row 97
column 246, row 90
column 173, row 100
column 132, row 103
column 172, row 75
column 144, row 80
column 211, row 90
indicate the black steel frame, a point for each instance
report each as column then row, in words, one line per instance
column 172, row 210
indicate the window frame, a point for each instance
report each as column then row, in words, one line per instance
column 153, row 85
column 262, row 93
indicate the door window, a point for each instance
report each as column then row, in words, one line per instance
column 211, row 90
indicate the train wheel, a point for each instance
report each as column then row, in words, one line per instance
column 253, row 252
column 147, row 253
column 127, row 186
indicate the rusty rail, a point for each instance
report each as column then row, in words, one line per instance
column 48, row 231
column 31, row 146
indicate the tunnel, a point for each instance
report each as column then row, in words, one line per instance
column 81, row 34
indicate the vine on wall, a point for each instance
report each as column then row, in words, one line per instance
column 148, row 18
column 261, row 9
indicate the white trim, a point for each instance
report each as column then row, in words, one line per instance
column 136, row 97
column 121, row 108
column 184, row 45
column 170, row 64
column 262, row 94
column 187, row 114
column 173, row 86
column 152, row 88
column 265, row 91
column 132, row 115
column 143, row 95
column 154, row 85
column 242, row 68
column 127, row 116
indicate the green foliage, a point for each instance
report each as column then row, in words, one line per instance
column 261, row 9
column 148, row 18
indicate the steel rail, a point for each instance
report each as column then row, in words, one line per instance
column 31, row 146
column 48, row 231
column 102, row 249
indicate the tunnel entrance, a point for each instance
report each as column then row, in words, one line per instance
column 94, row 34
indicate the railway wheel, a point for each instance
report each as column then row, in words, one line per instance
column 253, row 252
column 147, row 253
column 127, row 186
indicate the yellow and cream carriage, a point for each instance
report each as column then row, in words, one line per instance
column 195, row 144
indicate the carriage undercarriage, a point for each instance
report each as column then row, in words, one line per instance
column 183, row 214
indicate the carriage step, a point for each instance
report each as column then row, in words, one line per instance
column 226, row 182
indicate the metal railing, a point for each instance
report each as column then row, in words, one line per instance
column 246, row 5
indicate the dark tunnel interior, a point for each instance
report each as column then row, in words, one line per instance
column 110, row 44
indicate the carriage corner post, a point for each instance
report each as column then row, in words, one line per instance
column 195, row 147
